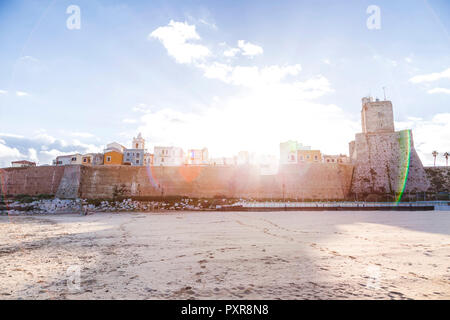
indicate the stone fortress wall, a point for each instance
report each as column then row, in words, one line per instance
column 439, row 178
column 385, row 160
column 31, row 180
column 306, row 181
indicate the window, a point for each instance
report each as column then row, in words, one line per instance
column 162, row 159
column 315, row 158
column 137, row 161
column 84, row 160
column 307, row 157
column 128, row 154
column 108, row 159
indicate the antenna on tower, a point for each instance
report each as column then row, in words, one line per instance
column 384, row 92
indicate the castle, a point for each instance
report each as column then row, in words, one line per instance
column 385, row 160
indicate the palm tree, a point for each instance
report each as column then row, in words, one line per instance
column 446, row 158
column 434, row 153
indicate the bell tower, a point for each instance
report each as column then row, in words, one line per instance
column 138, row 142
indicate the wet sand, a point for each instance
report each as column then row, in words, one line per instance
column 226, row 255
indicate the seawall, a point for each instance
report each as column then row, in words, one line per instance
column 302, row 181
column 31, row 181
column 439, row 178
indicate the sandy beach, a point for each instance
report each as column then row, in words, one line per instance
column 226, row 255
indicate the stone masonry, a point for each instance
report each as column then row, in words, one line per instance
column 385, row 160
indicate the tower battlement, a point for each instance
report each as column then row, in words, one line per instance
column 376, row 116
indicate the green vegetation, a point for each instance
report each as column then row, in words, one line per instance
column 24, row 198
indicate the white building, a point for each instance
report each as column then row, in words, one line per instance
column 68, row 159
column 243, row 158
column 288, row 151
column 23, row 164
column 114, row 146
column 197, row 156
column 338, row 158
column 94, row 159
column 168, row 156
column 148, row 159
column 223, row 161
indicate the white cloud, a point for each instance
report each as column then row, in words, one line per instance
column 53, row 153
column 86, row 147
column 231, row 52
column 439, row 90
column 32, row 154
column 40, row 147
column 21, row 93
column 249, row 76
column 209, row 24
column 8, row 154
column 429, row 135
column 431, row 77
column 28, row 59
column 176, row 36
column 82, row 134
column 244, row 48
column 249, row 49
column 275, row 106
column 408, row 60
column 256, row 122
column 127, row 120
column 3, row 92
column 142, row 107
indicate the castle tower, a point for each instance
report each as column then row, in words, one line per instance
column 138, row 142
column 376, row 116
column 385, row 160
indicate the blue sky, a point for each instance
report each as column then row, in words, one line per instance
column 230, row 76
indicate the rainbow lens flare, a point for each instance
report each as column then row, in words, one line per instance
column 405, row 159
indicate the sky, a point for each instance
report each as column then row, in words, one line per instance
column 226, row 75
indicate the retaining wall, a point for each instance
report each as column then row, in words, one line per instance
column 303, row 181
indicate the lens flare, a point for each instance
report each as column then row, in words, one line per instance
column 151, row 177
column 405, row 158
column 190, row 173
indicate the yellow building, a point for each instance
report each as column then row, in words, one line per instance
column 113, row 157
column 309, row 156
